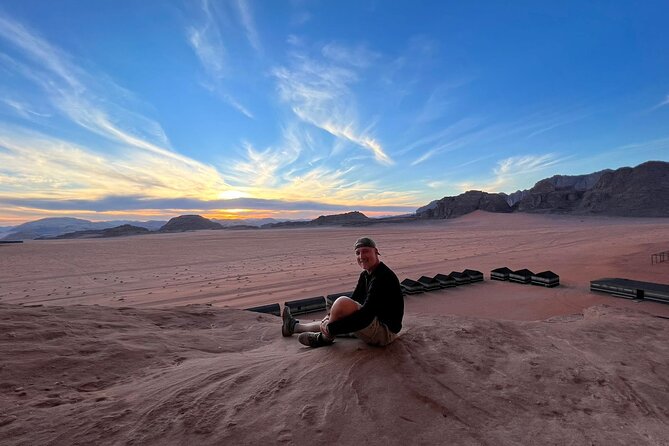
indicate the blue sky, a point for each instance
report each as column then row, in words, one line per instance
column 115, row 109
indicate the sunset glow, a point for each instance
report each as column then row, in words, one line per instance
column 241, row 109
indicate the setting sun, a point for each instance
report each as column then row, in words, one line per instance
column 231, row 194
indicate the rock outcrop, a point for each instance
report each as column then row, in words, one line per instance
column 348, row 218
column 559, row 193
column 642, row 191
column 354, row 218
column 189, row 223
column 470, row 201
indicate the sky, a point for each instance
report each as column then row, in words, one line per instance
column 145, row 110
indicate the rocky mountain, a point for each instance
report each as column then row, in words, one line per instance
column 118, row 231
column 641, row 191
column 348, row 218
column 470, row 201
column 189, row 223
column 559, row 193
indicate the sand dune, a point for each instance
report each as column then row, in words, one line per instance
column 488, row 363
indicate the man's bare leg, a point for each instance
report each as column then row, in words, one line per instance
column 303, row 327
column 341, row 307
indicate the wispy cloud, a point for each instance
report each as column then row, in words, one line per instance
column 83, row 98
column 207, row 41
column 248, row 22
column 134, row 156
column 319, row 93
column 358, row 56
column 24, row 110
column 36, row 165
column 474, row 133
column 39, row 51
column 515, row 173
column 661, row 104
column 294, row 169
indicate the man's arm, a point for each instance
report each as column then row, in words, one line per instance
column 360, row 292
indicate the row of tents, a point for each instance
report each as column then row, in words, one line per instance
column 423, row 284
column 545, row 278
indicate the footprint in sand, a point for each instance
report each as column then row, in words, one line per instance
column 285, row 436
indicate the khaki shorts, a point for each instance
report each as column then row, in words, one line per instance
column 376, row 333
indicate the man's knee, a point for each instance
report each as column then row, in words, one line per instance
column 342, row 307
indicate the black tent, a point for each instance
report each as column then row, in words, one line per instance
column 521, row 276
column 445, row 280
column 460, row 279
column 546, row 278
column 474, row 276
column 500, row 273
column 429, row 283
column 411, row 286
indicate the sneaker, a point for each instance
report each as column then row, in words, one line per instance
column 289, row 322
column 314, row 340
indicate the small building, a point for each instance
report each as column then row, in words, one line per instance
column 308, row 305
column 546, row 278
column 474, row 275
column 500, row 273
column 429, row 283
column 521, row 276
column 445, row 280
column 632, row 289
column 411, row 286
column 267, row 309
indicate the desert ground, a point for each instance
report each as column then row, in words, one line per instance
column 142, row 340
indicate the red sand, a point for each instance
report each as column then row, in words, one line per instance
column 488, row 363
column 246, row 268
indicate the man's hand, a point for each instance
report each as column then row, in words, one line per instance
column 324, row 326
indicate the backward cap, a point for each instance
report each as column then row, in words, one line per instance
column 364, row 242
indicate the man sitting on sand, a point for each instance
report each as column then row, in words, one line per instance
column 373, row 313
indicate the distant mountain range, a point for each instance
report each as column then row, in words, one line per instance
column 641, row 191
column 117, row 231
column 53, row 227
